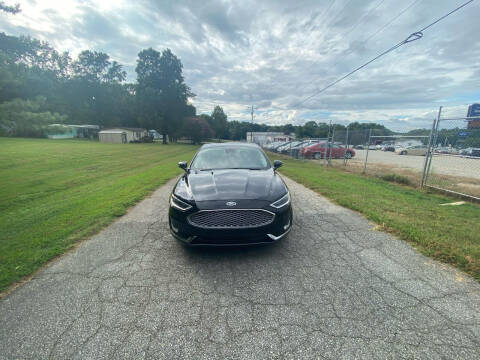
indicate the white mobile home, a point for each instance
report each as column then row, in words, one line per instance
column 115, row 135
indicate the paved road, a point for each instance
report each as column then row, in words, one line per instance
column 441, row 164
column 334, row 289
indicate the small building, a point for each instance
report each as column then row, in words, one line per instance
column 65, row 131
column 263, row 138
column 114, row 135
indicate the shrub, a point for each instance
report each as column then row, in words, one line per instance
column 399, row 179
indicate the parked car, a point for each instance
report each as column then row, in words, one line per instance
column 296, row 149
column 446, row 150
column 211, row 204
column 284, row 146
column 388, row 147
column 420, row 150
column 280, row 145
column 320, row 150
column 155, row 134
column 272, row 145
column 359, row 147
column 286, row 149
column 470, row 152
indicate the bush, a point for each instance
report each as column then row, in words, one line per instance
column 399, row 179
column 27, row 118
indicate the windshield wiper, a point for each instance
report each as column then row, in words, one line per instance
column 234, row 168
column 245, row 168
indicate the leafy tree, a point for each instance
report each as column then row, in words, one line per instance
column 197, row 128
column 89, row 89
column 13, row 9
column 26, row 117
column 161, row 92
column 288, row 129
column 94, row 66
column 218, row 122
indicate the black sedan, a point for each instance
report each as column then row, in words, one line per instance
column 230, row 195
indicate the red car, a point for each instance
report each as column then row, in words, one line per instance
column 318, row 151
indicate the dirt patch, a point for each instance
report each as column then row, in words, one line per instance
column 412, row 177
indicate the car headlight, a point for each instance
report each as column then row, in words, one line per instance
column 283, row 201
column 179, row 204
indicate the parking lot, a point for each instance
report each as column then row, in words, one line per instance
column 335, row 288
column 441, row 164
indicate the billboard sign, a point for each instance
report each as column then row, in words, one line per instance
column 473, row 110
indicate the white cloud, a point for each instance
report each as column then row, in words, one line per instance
column 275, row 53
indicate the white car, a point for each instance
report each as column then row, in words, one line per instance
column 420, row 150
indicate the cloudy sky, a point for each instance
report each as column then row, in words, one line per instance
column 273, row 54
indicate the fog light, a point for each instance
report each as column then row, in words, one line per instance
column 287, row 225
column 173, row 228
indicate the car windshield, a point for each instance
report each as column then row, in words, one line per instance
column 240, row 157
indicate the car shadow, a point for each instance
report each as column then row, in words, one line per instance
column 226, row 252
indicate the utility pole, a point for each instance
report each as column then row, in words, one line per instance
column 252, row 113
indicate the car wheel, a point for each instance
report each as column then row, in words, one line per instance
column 403, row 152
column 317, row 156
column 348, row 155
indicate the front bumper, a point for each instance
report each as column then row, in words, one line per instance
column 192, row 235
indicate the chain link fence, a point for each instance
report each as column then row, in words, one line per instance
column 391, row 157
column 453, row 161
column 445, row 157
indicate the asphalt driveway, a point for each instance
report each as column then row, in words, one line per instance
column 334, row 288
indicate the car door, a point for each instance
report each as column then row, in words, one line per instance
column 418, row 150
column 338, row 151
column 422, row 150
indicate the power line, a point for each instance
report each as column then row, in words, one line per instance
column 392, row 20
column 364, row 17
column 323, row 16
column 340, row 12
column 412, row 37
column 350, row 30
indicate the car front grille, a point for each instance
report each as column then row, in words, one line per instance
column 231, row 219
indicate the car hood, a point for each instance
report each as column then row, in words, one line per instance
column 231, row 184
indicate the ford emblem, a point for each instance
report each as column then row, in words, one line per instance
column 231, row 203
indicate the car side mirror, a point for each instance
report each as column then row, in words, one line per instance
column 183, row 165
column 277, row 164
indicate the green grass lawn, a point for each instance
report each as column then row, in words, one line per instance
column 55, row 192
column 448, row 233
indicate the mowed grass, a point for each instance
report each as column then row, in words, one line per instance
column 55, row 192
column 448, row 233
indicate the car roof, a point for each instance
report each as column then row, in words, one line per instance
column 229, row 144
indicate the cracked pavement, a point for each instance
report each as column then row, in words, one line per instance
column 333, row 289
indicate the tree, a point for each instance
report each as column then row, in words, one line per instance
column 26, row 117
column 310, row 129
column 288, row 129
column 197, row 128
column 96, row 66
column 161, row 92
column 12, row 9
column 219, row 124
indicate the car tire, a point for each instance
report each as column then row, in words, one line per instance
column 404, row 152
column 317, row 156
